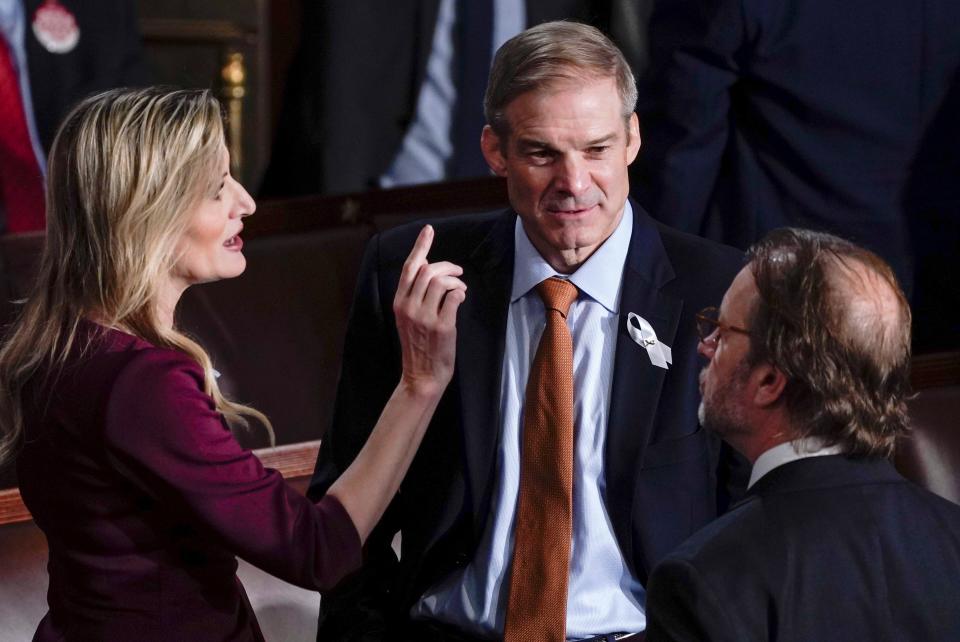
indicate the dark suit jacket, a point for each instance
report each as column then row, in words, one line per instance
column 757, row 115
column 353, row 85
column 108, row 55
column 826, row 548
column 145, row 497
column 660, row 467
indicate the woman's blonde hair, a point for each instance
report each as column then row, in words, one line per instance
column 126, row 170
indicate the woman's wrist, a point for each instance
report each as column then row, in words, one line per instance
column 426, row 388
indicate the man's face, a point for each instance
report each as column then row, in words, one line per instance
column 723, row 380
column 565, row 160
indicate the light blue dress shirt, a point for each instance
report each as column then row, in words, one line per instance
column 13, row 25
column 603, row 596
column 427, row 146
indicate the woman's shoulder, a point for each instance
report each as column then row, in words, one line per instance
column 160, row 391
column 114, row 357
column 99, row 340
column 111, row 380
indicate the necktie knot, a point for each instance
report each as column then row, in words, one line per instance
column 557, row 294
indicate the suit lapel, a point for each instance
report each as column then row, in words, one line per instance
column 481, row 333
column 636, row 386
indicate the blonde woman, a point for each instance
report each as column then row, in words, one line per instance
column 124, row 454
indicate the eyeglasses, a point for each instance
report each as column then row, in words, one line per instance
column 708, row 321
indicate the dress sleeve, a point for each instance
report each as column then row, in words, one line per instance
column 163, row 432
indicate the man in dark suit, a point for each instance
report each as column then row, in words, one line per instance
column 808, row 377
column 759, row 115
column 354, row 85
column 562, row 131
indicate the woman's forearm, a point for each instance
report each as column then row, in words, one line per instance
column 425, row 307
column 368, row 485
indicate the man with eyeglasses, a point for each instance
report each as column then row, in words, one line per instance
column 807, row 376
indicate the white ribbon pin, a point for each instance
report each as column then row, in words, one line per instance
column 646, row 338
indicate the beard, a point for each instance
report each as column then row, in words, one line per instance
column 722, row 411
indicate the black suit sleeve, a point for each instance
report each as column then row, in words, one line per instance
column 683, row 607
column 357, row 608
column 684, row 107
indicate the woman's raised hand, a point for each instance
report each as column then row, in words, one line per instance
column 425, row 307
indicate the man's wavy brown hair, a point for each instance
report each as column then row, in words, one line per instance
column 831, row 316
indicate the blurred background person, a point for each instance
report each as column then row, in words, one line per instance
column 124, row 454
column 829, row 116
column 388, row 94
column 53, row 53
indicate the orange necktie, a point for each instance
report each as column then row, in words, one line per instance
column 537, row 606
column 21, row 182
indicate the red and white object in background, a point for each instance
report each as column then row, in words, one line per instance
column 55, row 27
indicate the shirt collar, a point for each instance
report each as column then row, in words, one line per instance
column 789, row 451
column 600, row 276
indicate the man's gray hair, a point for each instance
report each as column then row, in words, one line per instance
column 552, row 52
